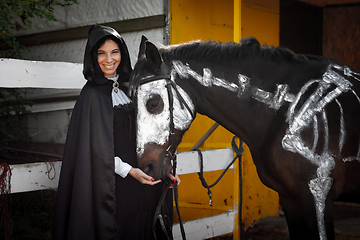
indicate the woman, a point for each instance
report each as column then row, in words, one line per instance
column 101, row 193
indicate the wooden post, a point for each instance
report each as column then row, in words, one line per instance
column 237, row 37
column 236, row 232
column 237, row 20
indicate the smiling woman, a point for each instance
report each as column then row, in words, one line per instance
column 109, row 58
column 100, row 184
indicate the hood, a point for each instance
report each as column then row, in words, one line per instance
column 91, row 68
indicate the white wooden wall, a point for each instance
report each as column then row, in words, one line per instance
column 87, row 13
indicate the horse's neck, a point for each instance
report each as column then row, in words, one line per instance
column 245, row 118
column 232, row 102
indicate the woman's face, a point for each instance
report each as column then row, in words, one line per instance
column 109, row 58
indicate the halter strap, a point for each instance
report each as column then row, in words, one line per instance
column 154, row 78
column 167, row 76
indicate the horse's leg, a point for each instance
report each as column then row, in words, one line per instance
column 319, row 188
column 300, row 215
column 329, row 219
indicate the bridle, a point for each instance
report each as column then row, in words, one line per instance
column 166, row 75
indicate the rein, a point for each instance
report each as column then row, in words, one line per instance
column 238, row 150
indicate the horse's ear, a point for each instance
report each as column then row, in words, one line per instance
column 142, row 46
column 153, row 56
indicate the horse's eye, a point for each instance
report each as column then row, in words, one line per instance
column 155, row 104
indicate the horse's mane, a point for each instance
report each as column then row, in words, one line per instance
column 219, row 51
column 202, row 50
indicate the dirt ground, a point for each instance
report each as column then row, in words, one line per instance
column 347, row 226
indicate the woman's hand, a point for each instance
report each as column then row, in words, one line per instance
column 142, row 177
column 174, row 179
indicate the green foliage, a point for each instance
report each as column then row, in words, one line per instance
column 12, row 108
column 16, row 15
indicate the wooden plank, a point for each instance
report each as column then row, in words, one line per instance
column 70, row 34
column 36, row 74
column 51, row 106
column 208, row 227
column 188, row 162
column 206, row 206
column 34, row 176
column 45, row 95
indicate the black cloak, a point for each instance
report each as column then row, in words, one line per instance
column 90, row 192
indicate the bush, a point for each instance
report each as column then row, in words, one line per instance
column 12, row 109
column 13, row 11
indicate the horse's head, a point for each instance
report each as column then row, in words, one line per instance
column 164, row 111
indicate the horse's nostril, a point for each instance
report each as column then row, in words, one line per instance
column 149, row 168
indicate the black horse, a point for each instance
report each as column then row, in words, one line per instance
column 298, row 114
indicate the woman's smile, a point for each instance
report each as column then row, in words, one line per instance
column 111, row 66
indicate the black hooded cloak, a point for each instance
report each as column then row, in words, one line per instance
column 93, row 202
